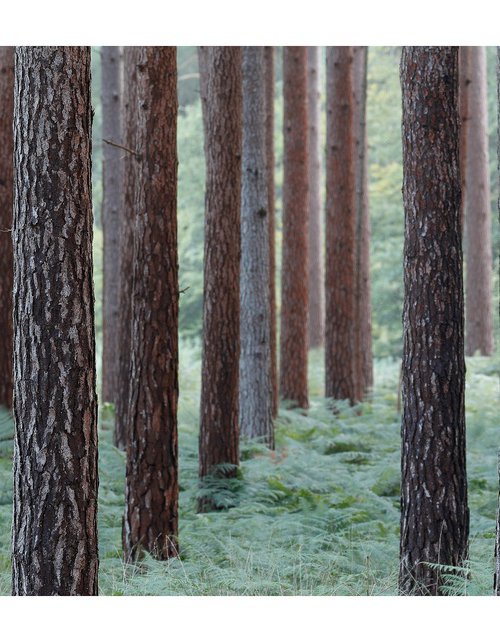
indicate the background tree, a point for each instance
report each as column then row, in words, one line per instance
column 54, row 533
column 294, row 268
column 434, row 512
column 111, row 215
column 496, row 581
column 341, row 380
column 255, row 326
column 222, row 113
column 6, row 205
column 463, row 98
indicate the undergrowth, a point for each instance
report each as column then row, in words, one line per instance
column 319, row 516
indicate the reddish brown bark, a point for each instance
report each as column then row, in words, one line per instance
column 294, row 270
column 340, row 273
column 463, row 98
column 6, row 205
column 219, row 430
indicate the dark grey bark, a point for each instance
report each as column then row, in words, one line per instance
column 255, row 351
column 434, row 512
column 54, row 533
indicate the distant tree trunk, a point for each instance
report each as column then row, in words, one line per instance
column 219, row 429
column 294, row 270
column 340, row 275
column 111, row 215
column 55, row 449
column 6, row 205
column 496, row 581
column 434, row 513
column 152, row 490
column 463, row 97
column 364, row 356
column 269, row 65
column 255, row 355
column 478, row 287
column 130, row 169
column 316, row 279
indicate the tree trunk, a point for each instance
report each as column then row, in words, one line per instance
column 6, row 206
column 463, row 98
column 316, row 278
column 55, row 450
column 219, row 430
column 340, row 274
column 496, row 580
column 111, row 216
column 130, row 169
column 255, row 355
column 434, row 513
column 152, row 490
column 294, row 271
column 478, row 287
column 269, row 65
column 364, row 356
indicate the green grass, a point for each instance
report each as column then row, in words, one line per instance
column 318, row 517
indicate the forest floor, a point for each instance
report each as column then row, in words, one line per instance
column 320, row 516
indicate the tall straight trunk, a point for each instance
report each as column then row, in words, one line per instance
column 463, row 101
column 130, row 175
column 294, row 270
column 496, row 581
column 316, row 278
column 255, row 355
column 269, row 66
column 111, row 215
column 340, row 274
column 434, row 513
column 6, row 205
column 152, row 490
column 364, row 356
column 219, row 429
column 478, row 286
column 54, row 533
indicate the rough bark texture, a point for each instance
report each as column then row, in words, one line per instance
column 6, row 205
column 255, row 327
column 111, row 215
column 219, row 430
column 294, row 270
column 55, row 449
column 340, row 273
column 364, row 358
column 434, row 513
column 477, row 248
column 496, row 582
column 316, row 278
column 152, row 490
column 269, row 64
column 130, row 169
column 463, row 98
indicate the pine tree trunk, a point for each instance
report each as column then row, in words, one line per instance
column 55, row 450
column 294, row 271
column 269, row 64
column 255, row 354
column 496, row 580
column 6, row 206
column 130, row 169
column 478, row 286
column 364, row 356
column 463, row 98
column 152, row 490
column 316, row 278
column 340, row 275
column 111, row 215
column 219, row 430
column 434, row 513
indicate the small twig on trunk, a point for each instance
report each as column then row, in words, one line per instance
column 127, row 149
column 185, row 290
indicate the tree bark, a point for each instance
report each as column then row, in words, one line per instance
column 478, row 286
column 219, row 429
column 6, row 206
column 463, row 98
column 294, row 271
column 340, row 273
column 111, row 216
column 152, row 490
column 255, row 354
column 316, row 278
column 434, row 512
column 496, row 580
column 269, row 66
column 55, row 449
